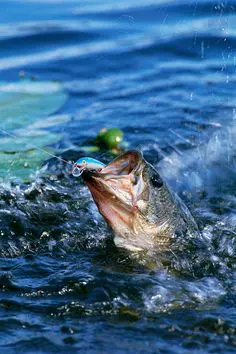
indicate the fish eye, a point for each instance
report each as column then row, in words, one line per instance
column 156, row 181
column 83, row 162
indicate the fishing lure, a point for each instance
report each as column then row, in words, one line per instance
column 86, row 163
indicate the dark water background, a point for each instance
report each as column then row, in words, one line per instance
column 164, row 72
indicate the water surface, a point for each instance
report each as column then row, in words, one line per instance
column 164, row 72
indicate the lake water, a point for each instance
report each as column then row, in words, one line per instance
column 163, row 72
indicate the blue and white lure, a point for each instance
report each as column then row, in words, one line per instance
column 86, row 163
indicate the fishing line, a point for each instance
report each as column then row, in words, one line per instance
column 35, row 147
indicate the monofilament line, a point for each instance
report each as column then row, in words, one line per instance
column 34, row 146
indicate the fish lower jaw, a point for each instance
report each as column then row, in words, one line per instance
column 132, row 241
column 122, row 243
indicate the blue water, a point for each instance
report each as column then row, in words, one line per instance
column 163, row 72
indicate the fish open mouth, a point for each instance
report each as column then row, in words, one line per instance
column 117, row 187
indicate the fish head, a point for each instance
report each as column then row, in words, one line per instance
column 130, row 195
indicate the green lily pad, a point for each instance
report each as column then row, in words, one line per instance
column 23, row 102
column 90, row 148
column 24, row 110
column 48, row 122
column 37, row 139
